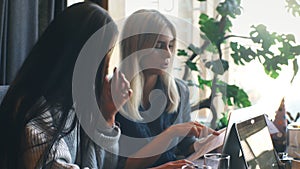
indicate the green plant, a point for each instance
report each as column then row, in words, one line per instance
column 273, row 50
column 223, row 121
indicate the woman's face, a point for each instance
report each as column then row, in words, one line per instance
column 158, row 59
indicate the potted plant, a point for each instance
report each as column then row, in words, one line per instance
column 216, row 33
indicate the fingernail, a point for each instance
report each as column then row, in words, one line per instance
column 130, row 92
column 216, row 133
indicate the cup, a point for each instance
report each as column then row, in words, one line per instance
column 205, row 167
column 217, row 160
column 285, row 160
column 195, row 167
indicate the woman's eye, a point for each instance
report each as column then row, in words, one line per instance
column 158, row 46
column 163, row 45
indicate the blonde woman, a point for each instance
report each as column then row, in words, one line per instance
column 155, row 122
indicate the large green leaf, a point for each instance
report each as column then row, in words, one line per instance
column 296, row 68
column 295, row 50
column 261, row 35
column 229, row 8
column 210, row 27
column 240, row 97
column 241, row 54
column 181, row 52
column 192, row 65
column 271, row 69
column 233, row 92
column 217, row 66
column 195, row 49
column 203, row 83
column 223, row 121
column 293, row 6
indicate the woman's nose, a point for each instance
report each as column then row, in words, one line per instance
column 168, row 52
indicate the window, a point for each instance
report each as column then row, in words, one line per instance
column 70, row 2
column 266, row 93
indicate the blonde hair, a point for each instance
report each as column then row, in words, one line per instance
column 141, row 31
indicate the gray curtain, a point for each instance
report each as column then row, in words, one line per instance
column 21, row 23
column 102, row 3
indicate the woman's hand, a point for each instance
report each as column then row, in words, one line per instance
column 115, row 93
column 120, row 89
column 174, row 164
column 190, row 129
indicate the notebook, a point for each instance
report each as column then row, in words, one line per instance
column 208, row 144
column 250, row 146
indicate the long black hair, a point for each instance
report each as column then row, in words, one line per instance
column 46, row 74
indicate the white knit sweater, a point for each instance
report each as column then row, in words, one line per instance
column 73, row 151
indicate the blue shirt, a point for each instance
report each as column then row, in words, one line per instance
column 151, row 128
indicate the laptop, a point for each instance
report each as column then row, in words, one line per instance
column 250, row 146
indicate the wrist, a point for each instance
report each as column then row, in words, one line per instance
column 109, row 115
column 170, row 132
column 110, row 120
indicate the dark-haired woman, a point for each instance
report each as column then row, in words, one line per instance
column 48, row 118
column 39, row 126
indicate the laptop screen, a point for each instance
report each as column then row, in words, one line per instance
column 256, row 144
column 250, row 146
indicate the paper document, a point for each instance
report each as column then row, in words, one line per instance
column 207, row 144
